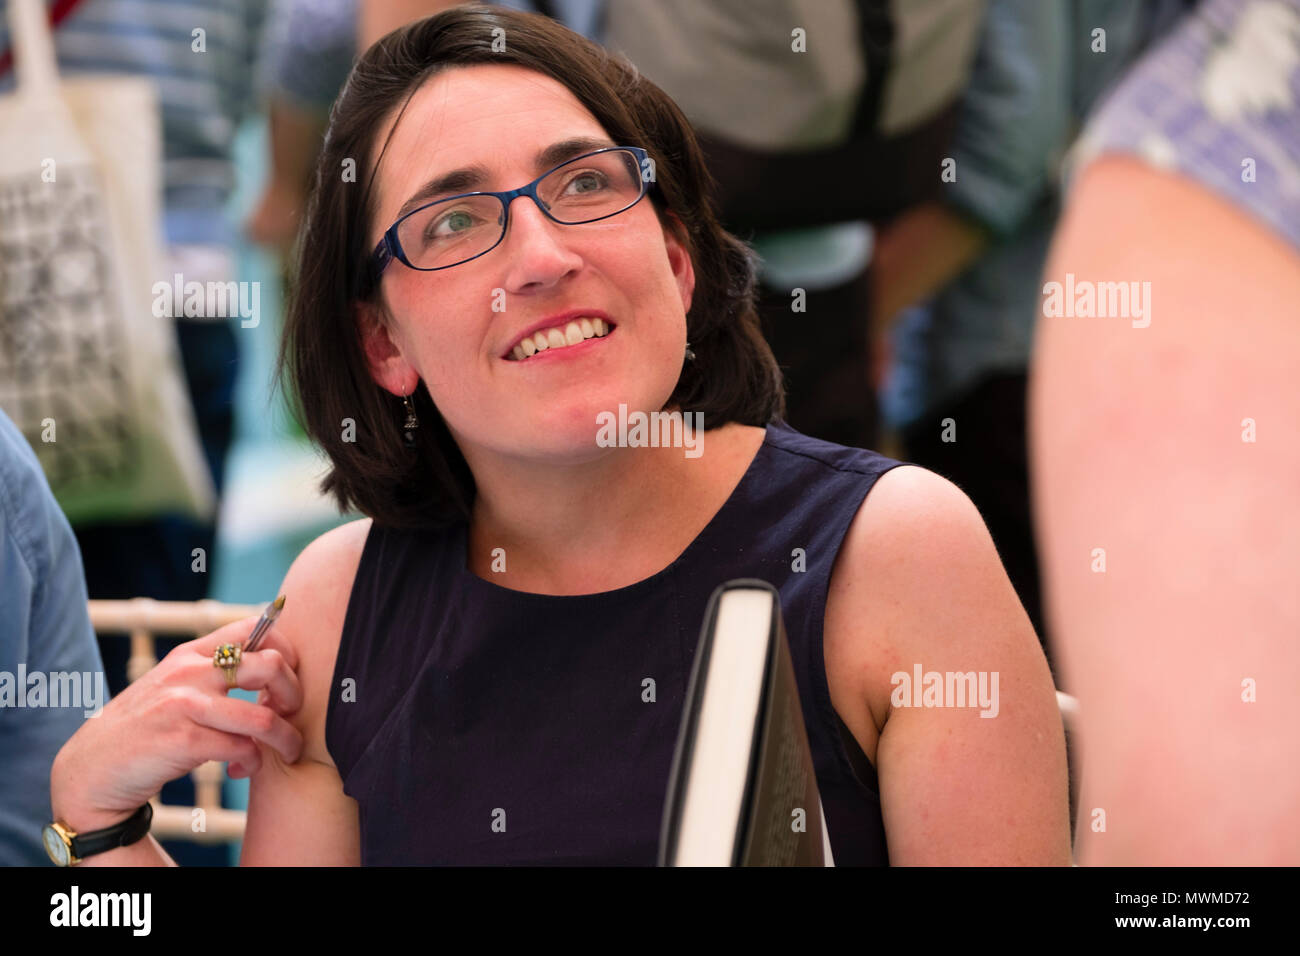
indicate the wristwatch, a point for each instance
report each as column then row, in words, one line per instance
column 66, row 847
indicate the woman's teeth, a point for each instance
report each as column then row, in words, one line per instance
column 560, row 338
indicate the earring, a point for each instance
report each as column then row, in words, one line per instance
column 690, row 354
column 412, row 423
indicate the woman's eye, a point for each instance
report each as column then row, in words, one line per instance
column 588, row 182
column 458, row 220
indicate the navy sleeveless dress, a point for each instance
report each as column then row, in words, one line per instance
column 493, row 726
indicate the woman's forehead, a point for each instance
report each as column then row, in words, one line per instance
column 494, row 115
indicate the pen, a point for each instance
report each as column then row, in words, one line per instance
column 264, row 623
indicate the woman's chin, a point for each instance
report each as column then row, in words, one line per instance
column 573, row 433
column 570, row 437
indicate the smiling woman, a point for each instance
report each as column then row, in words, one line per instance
column 548, row 97
column 467, row 666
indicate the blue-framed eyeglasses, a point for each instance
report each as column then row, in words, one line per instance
column 449, row 232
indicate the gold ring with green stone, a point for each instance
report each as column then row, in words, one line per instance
column 227, row 656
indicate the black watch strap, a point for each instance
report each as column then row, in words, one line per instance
column 125, row 833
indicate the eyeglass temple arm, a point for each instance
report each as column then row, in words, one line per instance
column 382, row 255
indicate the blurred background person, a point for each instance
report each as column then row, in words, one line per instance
column 1165, row 457
column 970, row 259
column 819, row 119
column 309, row 49
column 378, row 17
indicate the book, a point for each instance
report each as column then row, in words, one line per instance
column 742, row 790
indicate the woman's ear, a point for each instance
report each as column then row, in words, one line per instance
column 388, row 367
column 679, row 258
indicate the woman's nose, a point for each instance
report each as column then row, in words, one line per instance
column 537, row 246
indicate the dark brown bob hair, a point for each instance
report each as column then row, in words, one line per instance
column 734, row 377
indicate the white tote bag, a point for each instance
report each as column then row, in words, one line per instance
column 87, row 372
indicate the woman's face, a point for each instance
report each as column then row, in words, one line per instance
column 455, row 328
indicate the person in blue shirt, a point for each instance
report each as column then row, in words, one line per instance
column 44, row 628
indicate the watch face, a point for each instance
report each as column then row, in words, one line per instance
column 54, row 846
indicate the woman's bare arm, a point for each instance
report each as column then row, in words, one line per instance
column 298, row 813
column 927, row 589
column 1141, row 448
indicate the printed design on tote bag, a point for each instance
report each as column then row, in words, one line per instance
column 60, row 354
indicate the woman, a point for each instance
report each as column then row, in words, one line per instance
column 490, row 667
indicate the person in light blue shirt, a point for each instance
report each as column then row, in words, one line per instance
column 44, row 628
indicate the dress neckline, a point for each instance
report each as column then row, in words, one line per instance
column 469, row 579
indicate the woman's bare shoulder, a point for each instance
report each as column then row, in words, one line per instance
column 918, row 585
column 317, row 589
column 916, row 544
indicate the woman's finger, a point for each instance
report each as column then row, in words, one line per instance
column 237, row 716
column 245, row 766
column 265, row 670
column 208, row 743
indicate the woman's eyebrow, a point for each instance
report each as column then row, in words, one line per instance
column 470, row 178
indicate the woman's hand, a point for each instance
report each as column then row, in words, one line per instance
column 174, row 718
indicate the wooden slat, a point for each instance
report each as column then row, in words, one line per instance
column 167, row 617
